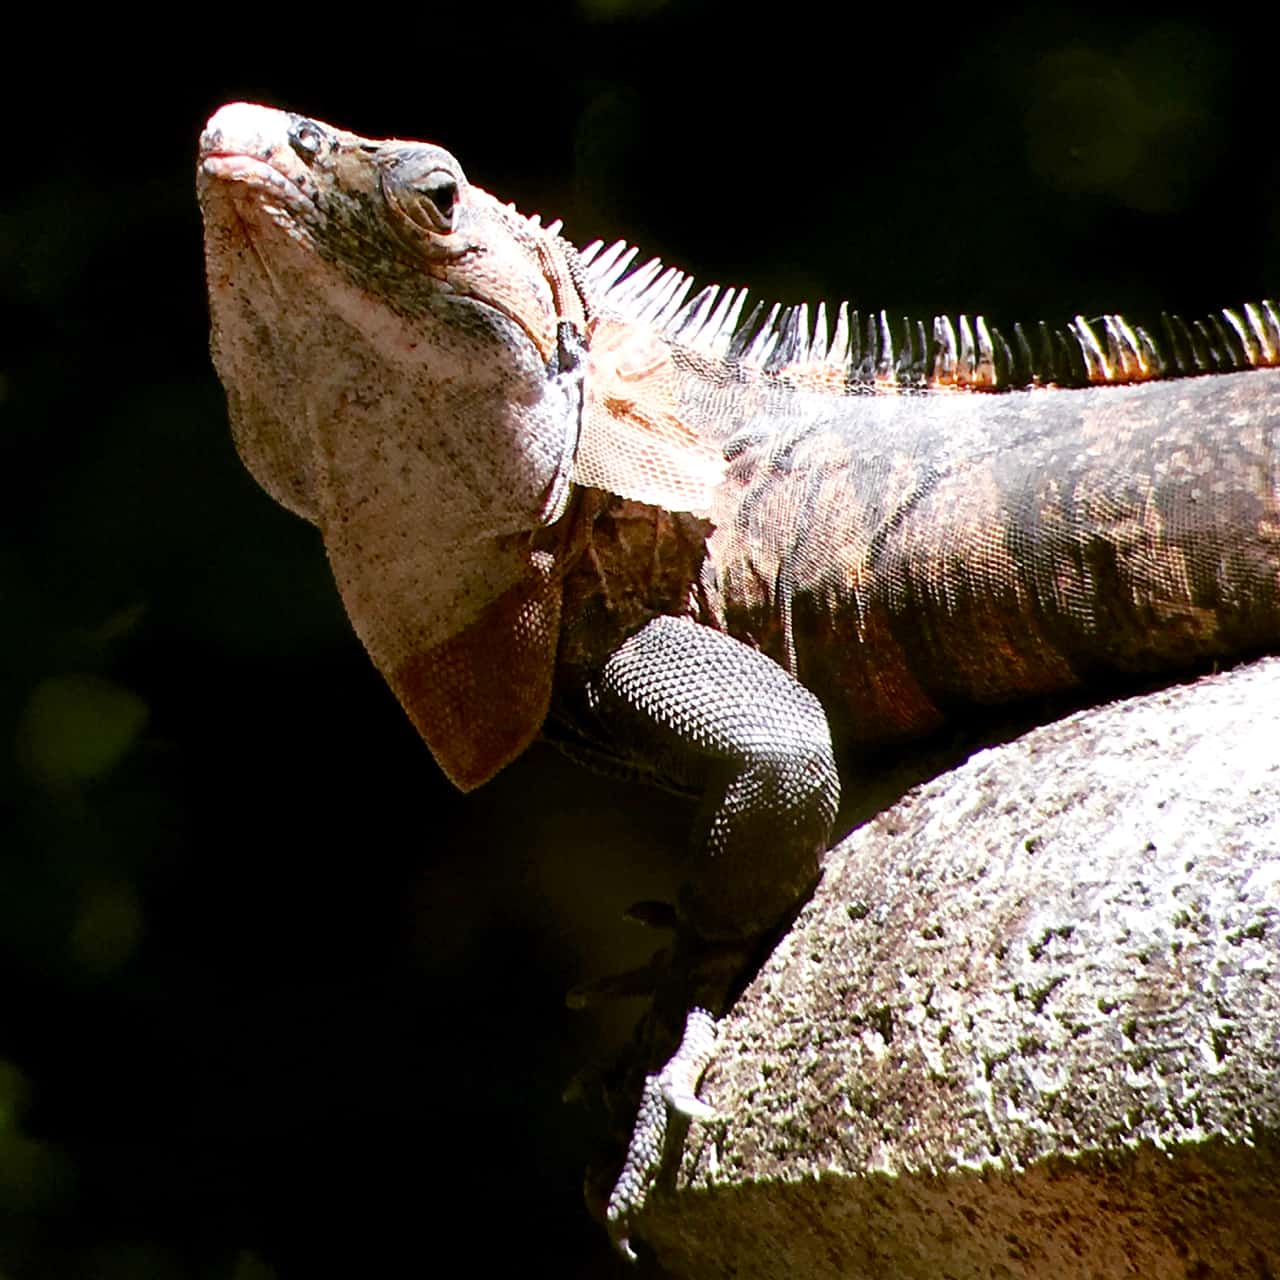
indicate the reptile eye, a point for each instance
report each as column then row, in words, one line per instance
column 305, row 138
column 441, row 189
column 423, row 192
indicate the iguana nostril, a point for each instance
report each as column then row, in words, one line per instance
column 305, row 138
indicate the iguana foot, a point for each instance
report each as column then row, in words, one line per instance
column 674, row 1088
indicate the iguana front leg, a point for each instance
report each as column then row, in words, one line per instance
column 707, row 712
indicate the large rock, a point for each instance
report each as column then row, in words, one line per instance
column 1028, row 1026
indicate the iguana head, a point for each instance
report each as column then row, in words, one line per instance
column 320, row 242
column 386, row 335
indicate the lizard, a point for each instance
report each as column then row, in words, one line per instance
column 563, row 498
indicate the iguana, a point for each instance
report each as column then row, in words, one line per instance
column 562, row 498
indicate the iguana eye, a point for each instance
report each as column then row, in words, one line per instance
column 441, row 190
column 422, row 191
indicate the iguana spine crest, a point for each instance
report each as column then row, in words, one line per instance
column 862, row 353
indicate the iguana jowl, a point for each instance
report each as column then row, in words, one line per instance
column 559, row 498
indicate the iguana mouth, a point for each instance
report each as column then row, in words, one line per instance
column 260, row 177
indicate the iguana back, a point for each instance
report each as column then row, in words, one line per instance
column 952, row 525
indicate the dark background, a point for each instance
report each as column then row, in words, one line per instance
column 277, row 1003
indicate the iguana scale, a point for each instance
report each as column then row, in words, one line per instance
column 562, row 498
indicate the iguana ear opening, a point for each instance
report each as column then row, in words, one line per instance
column 479, row 697
column 633, row 441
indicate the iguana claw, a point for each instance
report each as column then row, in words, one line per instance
column 674, row 1088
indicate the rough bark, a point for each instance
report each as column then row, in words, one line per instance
column 1028, row 1026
